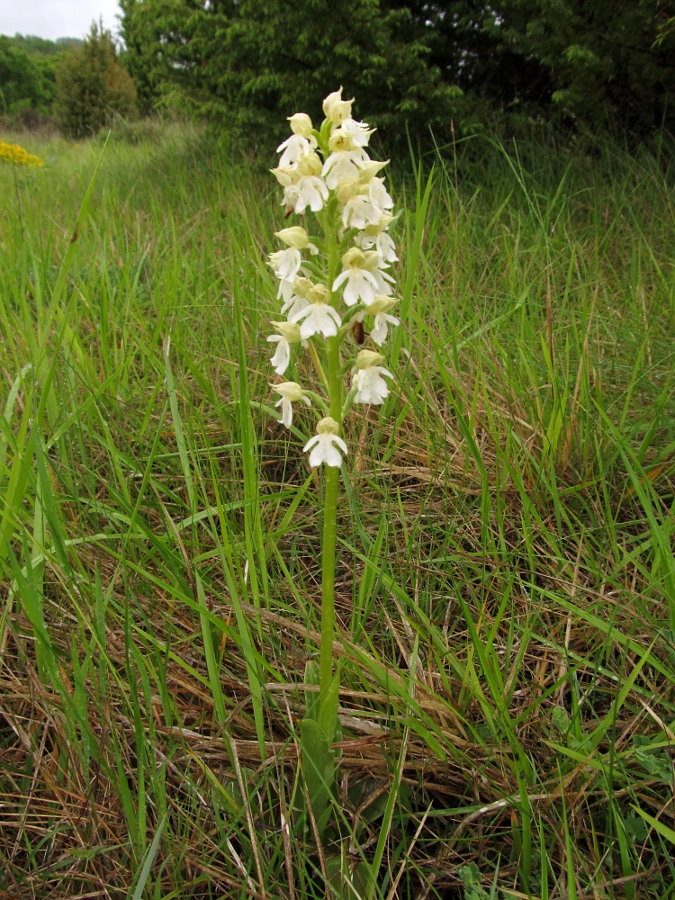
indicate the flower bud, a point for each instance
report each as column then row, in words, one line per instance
column 302, row 286
column 309, row 164
column 335, row 97
column 296, row 236
column 336, row 109
column 290, row 390
column 285, row 175
column 327, row 426
column 354, row 257
column 368, row 358
column 301, row 124
column 288, row 330
column 370, row 169
column 318, row 293
column 382, row 225
column 381, row 304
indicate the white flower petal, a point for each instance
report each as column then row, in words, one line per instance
column 319, row 318
column 293, row 305
column 282, row 355
column 371, row 386
column 326, row 448
column 332, row 455
column 342, row 165
column 380, row 328
column 293, row 148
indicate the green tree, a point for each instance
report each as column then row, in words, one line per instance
column 412, row 63
column 244, row 64
column 608, row 63
column 26, row 82
column 92, row 87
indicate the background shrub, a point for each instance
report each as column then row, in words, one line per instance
column 27, row 79
column 92, row 87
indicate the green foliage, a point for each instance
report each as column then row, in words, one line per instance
column 607, row 63
column 143, row 55
column 92, row 87
column 26, row 80
column 412, row 64
column 42, row 47
column 243, row 64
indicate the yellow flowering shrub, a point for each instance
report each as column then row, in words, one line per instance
column 15, row 154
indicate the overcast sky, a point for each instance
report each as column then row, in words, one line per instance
column 55, row 18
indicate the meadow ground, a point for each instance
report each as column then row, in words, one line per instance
column 506, row 584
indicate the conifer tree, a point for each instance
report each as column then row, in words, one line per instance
column 91, row 86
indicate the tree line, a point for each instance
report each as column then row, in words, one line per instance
column 412, row 64
column 79, row 84
column 467, row 64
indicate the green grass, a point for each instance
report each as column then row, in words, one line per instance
column 506, row 583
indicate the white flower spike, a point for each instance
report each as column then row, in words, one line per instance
column 326, row 446
column 328, row 170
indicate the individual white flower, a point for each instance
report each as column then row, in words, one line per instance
column 293, row 148
column 286, row 263
column 319, row 316
column 302, row 124
column 360, row 282
column 357, row 131
column 285, row 175
column 343, row 164
column 301, row 143
column 342, row 142
column 298, row 299
column 336, row 109
column 291, row 393
column 379, row 194
column 375, row 236
column 326, row 444
column 309, row 165
column 379, row 309
column 289, row 333
column 360, row 211
column 383, row 279
column 293, row 305
column 310, row 190
column 383, row 244
column 368, row 378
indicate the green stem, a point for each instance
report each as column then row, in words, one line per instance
column 332, row 483
column 328, row 577
column 332, row 487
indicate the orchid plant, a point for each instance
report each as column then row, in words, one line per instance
column 334, row 280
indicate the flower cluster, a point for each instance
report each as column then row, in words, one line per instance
column 334, row 283
column 15, row 154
